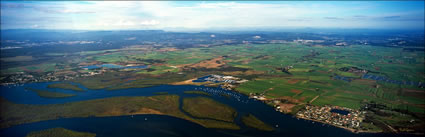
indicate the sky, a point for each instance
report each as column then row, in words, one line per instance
column 137, row 15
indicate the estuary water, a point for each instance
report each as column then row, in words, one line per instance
column 159, row 125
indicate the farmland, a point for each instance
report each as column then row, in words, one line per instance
column 212, row 69
column 293, row 74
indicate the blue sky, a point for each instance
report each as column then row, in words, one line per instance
column 129, row 15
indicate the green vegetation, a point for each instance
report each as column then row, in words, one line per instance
column 252, row 121
column 50, row 94
column 197, row 92
column 111, row 58
column 37, row 68
column 15, row 114
column 65, row 86
column 371, row 127
column 123, row 80
column 310, row 78
column 298, row 89
column 101, row 82
column 155, row 70
column 12, row 70
column 59, row 132
column 208, row 108
column 40, row 68
column 17, row 59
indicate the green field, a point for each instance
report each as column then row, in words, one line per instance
column 309, row 79
column 315, row 73
column 310, row 76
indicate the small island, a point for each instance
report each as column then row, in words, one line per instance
column 252, row 121
column 68, row 86
column 206, row 108
column 50, row 94
column 59, row 132
column 197, row 92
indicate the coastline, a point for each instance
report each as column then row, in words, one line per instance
column 346, row 128
column 235, row 90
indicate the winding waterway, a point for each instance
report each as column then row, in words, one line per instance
column 159, row 125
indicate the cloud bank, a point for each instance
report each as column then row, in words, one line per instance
column 109, row 15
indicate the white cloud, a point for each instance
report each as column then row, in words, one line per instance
column 149, row 22
column 141, row 14
column 34, row 26
column 222, row 14
column 199, row 15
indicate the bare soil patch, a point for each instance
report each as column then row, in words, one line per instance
column 249, row 72
column 287, row 108
column 89, row 63
column 167, row 49
column 293, row 81
column 413, row 93
column 290, row 99
column 296, row 91
column 211, row 63
column 189, row 82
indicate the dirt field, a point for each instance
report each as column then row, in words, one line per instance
column 413, row 93
column 213, row 63
column 365, row 81
column 287, row 108
column 293, row 81
column 189, row 82
column 167, row 49
column 89, row 63
column 296, row 91
column 65, row 72
column 290, row 99
column 249, row 72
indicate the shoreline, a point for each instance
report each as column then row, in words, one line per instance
column 346, row 128
column 314, row 120
column 359, row 131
